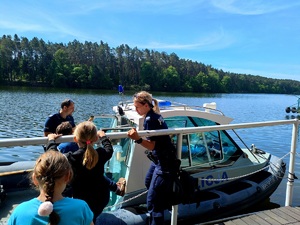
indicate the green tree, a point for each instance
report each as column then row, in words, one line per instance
column 93, row 65
column 171, row 79
column 226, row 84
column 7, row 52
column 148, row 75
column 63, row 68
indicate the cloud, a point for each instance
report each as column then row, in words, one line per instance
column 38, row 19
column 20, row 27
column 252, row 7
column 214, row 40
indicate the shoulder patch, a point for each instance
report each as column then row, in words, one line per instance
column 161, row 120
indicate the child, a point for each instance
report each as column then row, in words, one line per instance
column 65, row 128
column 89, row 182
column 50, row 175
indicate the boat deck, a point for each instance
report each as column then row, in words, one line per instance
column 278, row 216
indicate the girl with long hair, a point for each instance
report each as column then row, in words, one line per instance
column 51, row 174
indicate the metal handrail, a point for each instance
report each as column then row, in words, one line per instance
column 116, row 135
column 180, row 131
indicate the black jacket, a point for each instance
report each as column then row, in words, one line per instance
column 91, row 185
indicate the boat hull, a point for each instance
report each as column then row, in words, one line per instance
column 213, row 204
column 14, row 176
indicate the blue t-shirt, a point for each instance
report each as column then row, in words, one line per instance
column 54, row 120
column 71, row 212
column 67, row 147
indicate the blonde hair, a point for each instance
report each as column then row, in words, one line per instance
column 144, row 97
column 86, row 134
column 49, row 167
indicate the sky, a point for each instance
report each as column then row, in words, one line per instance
column 257, row 37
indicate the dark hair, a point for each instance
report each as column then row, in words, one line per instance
column 66, row 102
column 49, row 167
column 65, row 128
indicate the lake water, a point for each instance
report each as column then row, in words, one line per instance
column 23, row 112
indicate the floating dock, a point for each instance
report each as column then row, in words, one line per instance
column 278, row 216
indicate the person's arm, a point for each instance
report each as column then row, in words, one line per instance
column 119, row 157
column 46, row 133
column 106, row 143
column 52, row 145
column 148, row 144
column 112, row 186
column 48, row 126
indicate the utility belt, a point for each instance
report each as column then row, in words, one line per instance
column 151, row 157
column 173, row 165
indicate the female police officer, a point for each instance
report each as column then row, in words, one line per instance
column 162, row 153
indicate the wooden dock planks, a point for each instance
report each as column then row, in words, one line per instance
column 279, row 216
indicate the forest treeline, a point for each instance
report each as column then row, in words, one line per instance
column 98, row 66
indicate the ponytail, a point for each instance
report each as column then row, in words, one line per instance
column 90, row 157
column 155, row 106
column 86, row 134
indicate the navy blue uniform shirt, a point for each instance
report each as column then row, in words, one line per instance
column 164, row 150
column 54, row 120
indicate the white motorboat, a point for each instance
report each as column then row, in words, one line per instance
column 228, row 177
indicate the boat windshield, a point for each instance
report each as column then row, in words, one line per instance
column 204, row 148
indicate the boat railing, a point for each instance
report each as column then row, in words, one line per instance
column 196, row 108
column 207, row 107
column 182, row 131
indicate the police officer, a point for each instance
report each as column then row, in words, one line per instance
column 64, row 114
column 161, row 152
